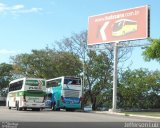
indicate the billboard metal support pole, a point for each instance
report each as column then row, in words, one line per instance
column 83, row 72
column 114, row 100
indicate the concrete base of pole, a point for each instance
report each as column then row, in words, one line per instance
column 114, row 110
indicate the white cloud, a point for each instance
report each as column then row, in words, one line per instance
column 3, row 7
column 18, row 8
column 5, row 55
column 5, row 52
column 32, row 10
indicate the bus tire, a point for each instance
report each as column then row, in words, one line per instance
column 70, row 109
column 8, row 105
column 35, row 109
column 53, row 106
column 67, row 109
column 57, row 109
column 38, row 109
column 17, row 106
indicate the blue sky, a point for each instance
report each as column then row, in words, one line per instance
column 32, row 24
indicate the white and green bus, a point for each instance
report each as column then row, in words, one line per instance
column 64, row 93
column 26, row 93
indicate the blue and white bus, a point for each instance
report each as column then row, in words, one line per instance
column 64, row 93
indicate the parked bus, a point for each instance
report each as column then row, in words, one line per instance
column 64, row 93
column 123, row 27
column 26, row 93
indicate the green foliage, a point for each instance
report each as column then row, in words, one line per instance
column 98, row 70
column 5, row 75
column 153, row 51
column 47, row 64
column 139, row 89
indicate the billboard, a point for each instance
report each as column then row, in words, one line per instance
column 129, row 24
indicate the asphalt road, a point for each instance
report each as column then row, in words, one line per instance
column 13, row 115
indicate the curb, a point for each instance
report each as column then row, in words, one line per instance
column 123, row 114
column 153, row 117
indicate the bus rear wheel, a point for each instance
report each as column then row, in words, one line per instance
column 8, row 105
column 35, row 109
column 70, row 109
column 53, row 106
column 17, row 106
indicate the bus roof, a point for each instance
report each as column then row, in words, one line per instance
column 62, row 77
column 24, row 78
column 124, row 20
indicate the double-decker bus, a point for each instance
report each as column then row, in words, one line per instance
column 26, row 93
column 64, row 93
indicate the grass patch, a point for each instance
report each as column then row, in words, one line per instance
column 156, row 114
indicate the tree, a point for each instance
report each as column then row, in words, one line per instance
column 76, row 44
column 152, row 52
column 138, row 88
column 5, row 75
column 97, row 66
column 46, row 63
column 98, row 77
column 97, row 70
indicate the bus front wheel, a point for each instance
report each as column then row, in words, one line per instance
column 35, row 109
column 17, row 106
column 8, row 105
column 70, row 109
column 53, row 106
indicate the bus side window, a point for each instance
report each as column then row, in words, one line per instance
column 57, row 83
column 54, row 84
column 66, row 81
column 49, row 96
column 79, row 81
column 74, row 82
column 49, row 84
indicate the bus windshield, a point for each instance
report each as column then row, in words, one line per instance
column 117, row 26
column 53, row 83
column 72, row 81
column 16, row 86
